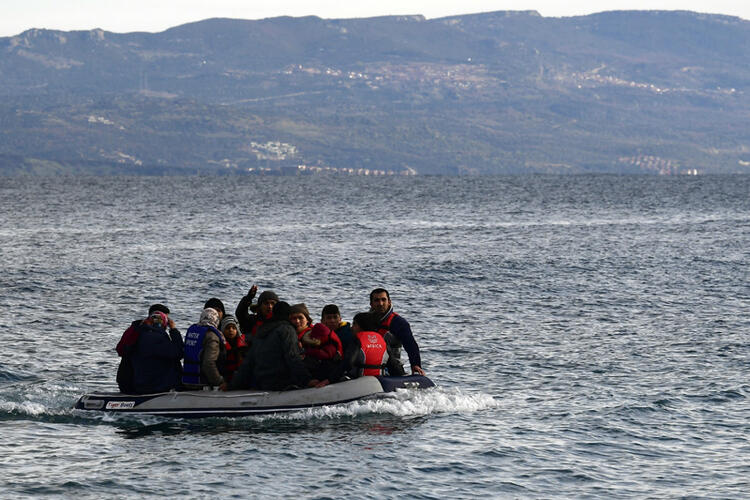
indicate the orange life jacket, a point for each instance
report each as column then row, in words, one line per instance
column 373, row 346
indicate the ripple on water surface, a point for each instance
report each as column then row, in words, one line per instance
column 588, row 334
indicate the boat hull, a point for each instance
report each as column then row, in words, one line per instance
column 186, row 404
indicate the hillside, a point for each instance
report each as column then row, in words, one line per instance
column 502, row 92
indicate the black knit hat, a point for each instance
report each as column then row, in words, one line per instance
column 215, row 303
column 158, row 307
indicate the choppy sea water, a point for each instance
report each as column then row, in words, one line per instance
column 589, row 335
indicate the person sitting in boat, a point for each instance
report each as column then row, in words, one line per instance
column 368, row 352
column 300, row 320
column 235, row 344
column 155, row 355
column 273, row 362
column 125, row 346
column 261, row 312
column 396, row 330
column 331, row 317
column 205, row 353
column 322, row 351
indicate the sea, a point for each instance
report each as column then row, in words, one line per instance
column 589, row 335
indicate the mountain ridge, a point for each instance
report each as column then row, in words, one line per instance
column 491, row 93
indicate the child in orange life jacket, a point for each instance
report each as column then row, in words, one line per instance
column 322, row 351
column 235, row 343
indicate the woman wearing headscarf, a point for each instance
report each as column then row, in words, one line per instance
column 205, row 352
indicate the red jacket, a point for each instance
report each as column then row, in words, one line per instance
column 234, row 355
column 321, row 343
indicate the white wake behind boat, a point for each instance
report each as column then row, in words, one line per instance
column 249, row 402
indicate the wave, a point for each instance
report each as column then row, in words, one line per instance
column 403, row 403
column 10, row 377
column 27, row 397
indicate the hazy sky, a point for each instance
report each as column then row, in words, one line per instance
column 157, row 15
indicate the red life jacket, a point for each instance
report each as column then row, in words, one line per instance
column 129, row 338
column 303, row 332
column 233, row 355
column 372, row 345
column 329, row 338
column 385, row 325
column 330, row 347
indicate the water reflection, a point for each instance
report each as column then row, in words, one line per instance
column 298, row 424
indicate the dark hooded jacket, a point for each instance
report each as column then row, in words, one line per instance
column 149, row 357
column 273, row 362
column 124, row 348
column 249, row 323
column 155, row 358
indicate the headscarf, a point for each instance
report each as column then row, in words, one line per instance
column 209, row 317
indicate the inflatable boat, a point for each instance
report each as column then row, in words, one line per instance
column 242, row 403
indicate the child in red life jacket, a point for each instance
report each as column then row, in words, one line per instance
column 322, row 350
column 235, row 343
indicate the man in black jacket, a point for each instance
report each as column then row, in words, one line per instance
column 152, row 356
